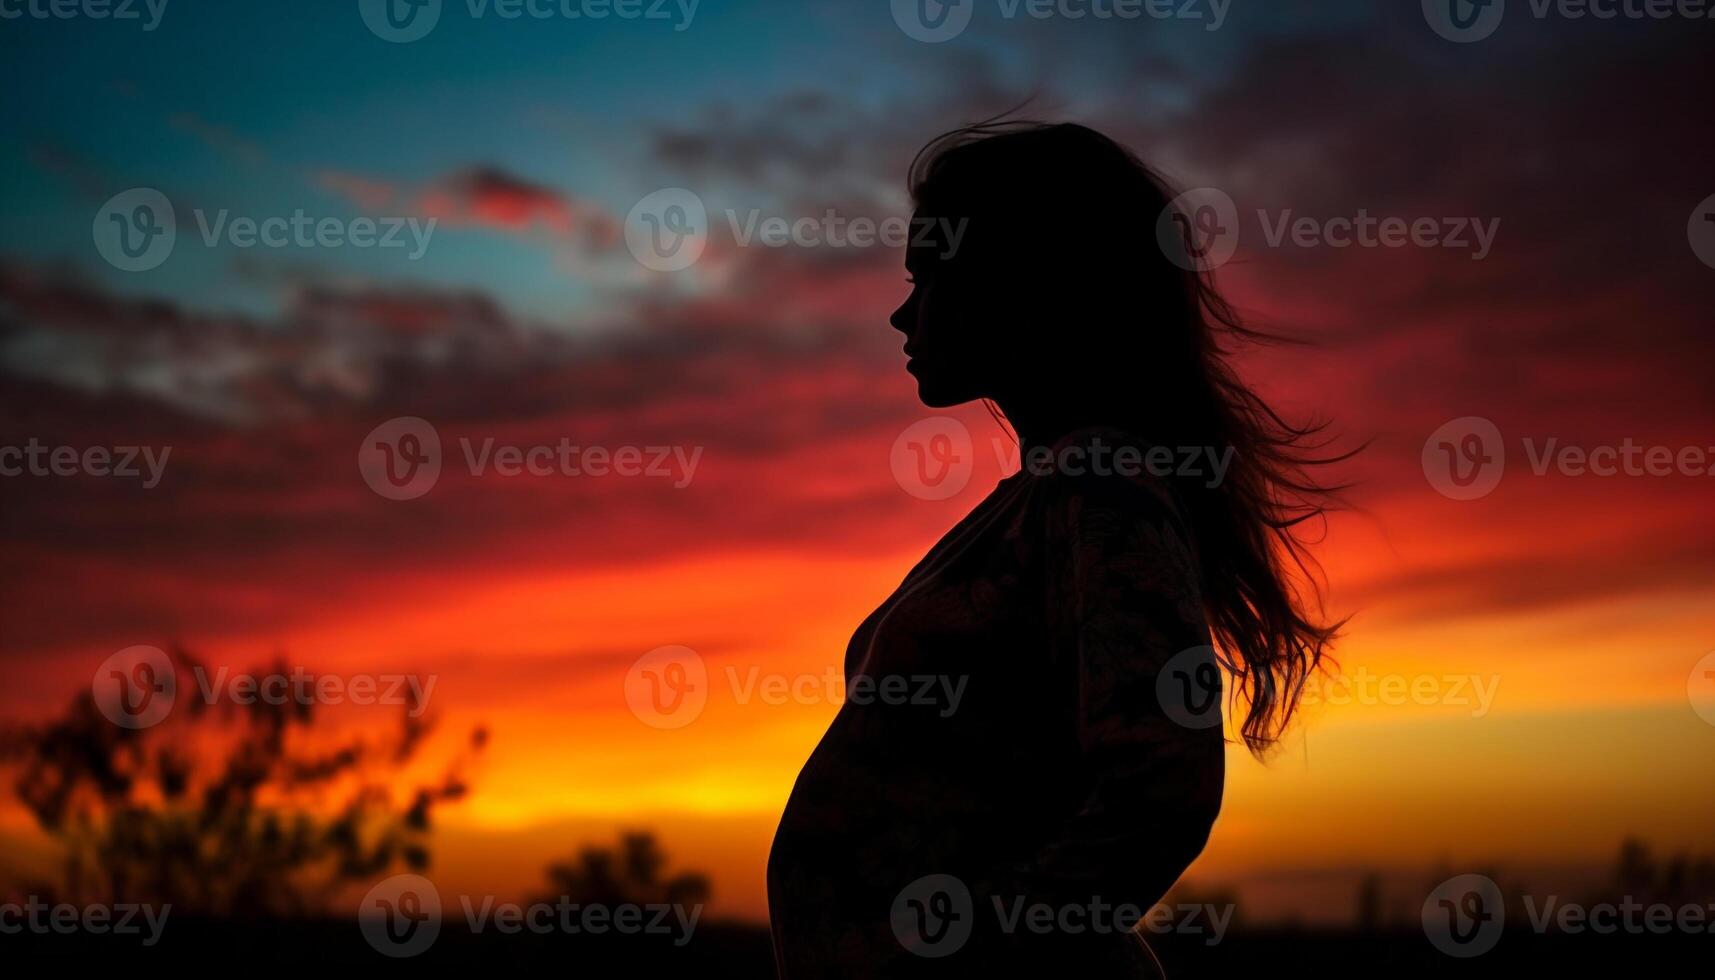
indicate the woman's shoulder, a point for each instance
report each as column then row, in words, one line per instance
column 1107, row 466
column 1106, row 501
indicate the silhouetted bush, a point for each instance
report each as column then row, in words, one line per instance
column 629, row 875
column 226, row 810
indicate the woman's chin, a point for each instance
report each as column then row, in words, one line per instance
column 934, row 389
column 933, row 397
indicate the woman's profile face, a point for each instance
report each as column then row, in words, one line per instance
column 953, row 331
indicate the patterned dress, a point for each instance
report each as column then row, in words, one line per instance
column 924, row 822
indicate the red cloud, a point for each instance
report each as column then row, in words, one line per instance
column 484, row 197
column 491, row 198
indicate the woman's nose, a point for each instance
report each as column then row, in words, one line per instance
column 903, row 317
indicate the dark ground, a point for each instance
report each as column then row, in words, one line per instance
column 239, row 950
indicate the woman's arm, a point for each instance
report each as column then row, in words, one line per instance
column 1122, row 601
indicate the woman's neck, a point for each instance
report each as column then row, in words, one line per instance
column 1045, row 425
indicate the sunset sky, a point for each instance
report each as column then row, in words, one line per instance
column 1581, row 603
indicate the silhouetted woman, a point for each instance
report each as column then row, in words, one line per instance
column 1080, row 605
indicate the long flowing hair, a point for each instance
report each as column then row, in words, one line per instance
column 1078, row 212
